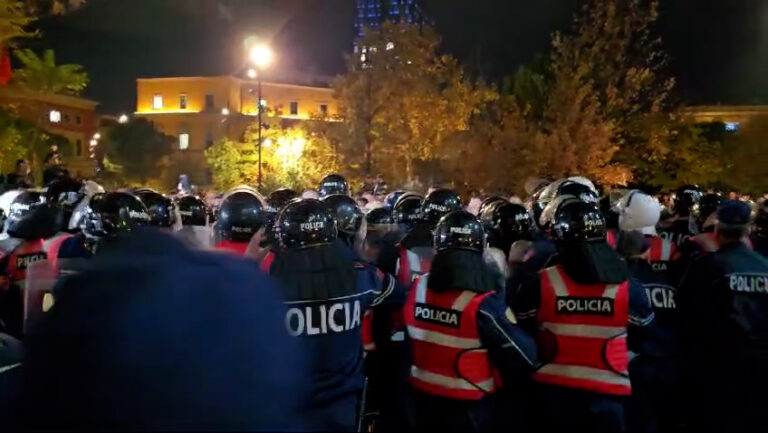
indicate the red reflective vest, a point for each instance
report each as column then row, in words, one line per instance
column 20, row 258
column 448, row 359
column 410, row 265
column 51, row 247
column 708, row 242
column 367, row 327
column 266, row 263
column 610, row 237
column 587, row 326
column 661, row 250
column 237, row 248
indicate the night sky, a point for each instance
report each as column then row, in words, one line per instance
column 719, row 48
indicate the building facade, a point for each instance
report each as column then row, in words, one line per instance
column 199, row 111
column 371, row 13
column 71, row 117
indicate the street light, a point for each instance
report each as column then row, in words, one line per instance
column 123, row 118
column 260, row 56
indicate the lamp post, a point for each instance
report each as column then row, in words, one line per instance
column 260, row 56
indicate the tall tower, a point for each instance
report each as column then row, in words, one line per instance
column 371, row 13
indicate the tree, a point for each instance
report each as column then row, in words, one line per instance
column 20, row 138
column 400, row 100
column 14, row 19
column 42, row 74
column 137, row 151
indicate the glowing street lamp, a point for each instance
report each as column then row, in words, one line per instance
column 123, row 118
column 260, row 56
column 97, row 136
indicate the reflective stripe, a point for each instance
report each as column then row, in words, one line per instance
column 421, row 290
column 610, row 291
column 706, row 242
column 666, row 250
column 369, row 346
column 450, row 382
column 397, row 336
column 557, row 281
column 414, row 261
column 9, row 367
column 592, row 331
column 441, row 339
column 584, row 373
column 461, row 302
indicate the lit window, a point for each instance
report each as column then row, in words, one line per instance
column 157, row 102
column 183, row 141
column 732, row 126
column 324, row 109
column 54, row 116
column 294, row 108
column 182, row 102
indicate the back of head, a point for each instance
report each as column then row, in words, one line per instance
column 333, row 184
column 580, row 233
column 686, row 198
column 193, row 211
column 761, row 223
column 115, row 353
column 459, row 230
column 705, row 209
column 160, row 208
column 392, row 197
column 279, row 198
column 113, row 213
column 733, row 221
column 638, row 211
column 439, row 203
column 240, row 215
column 305, row 223
column 348, row 215
column 407, row 210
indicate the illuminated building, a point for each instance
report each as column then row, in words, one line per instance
column 371, row 13
column 71, row 117
column 199, row 111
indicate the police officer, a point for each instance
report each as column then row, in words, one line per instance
column 681, row 226
column 406, row 212
column 381, row 237
column 416, row 250
column 723, row 304
column 586, row 315
column 326, row 295
column 105, row 217
column 640, row 212
column 278, row 198
column 240, row 216
column 349, row 221
column 507, row 223
column 655, row 372
column 161, row 209
column 30, row 221
column 760, row 232
column 463, row 339
column 194, row 222
column 333, row 184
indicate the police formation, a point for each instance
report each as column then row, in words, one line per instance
column 568, row 312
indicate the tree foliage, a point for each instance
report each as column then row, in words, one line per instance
column 14, row 19
column 42, row 74
column 20, row 138
column 137, row 151
column 400, row 100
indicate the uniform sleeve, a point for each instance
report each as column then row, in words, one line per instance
column 512, row 350
column 640, row 315
column 524, row 297
column 388, row 291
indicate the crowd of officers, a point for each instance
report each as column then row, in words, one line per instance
column 569, row 311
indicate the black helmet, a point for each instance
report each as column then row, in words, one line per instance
column 407, row 209
column 488, row 202
column 193, row 211
column 240, row 215
column 577, row 220
column 509, row 222
column 459, row 230
column 160, row 208
column 24, row 204
column 379, row 216
column 392, row 198
column 333, row 184
column 686, row 198
column 305, row 223
column 578, row 190
column 113, row 213
column 438, row 203
column 706, row 206
column 349, row 217
column 280, row 197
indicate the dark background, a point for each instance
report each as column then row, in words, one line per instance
column 718, row 48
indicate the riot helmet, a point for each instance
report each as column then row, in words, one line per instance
column 333, row 184
column 349, row 217
column 459, row 229
column 686, row 199
column 162, row 212
column 576, row 220
column 241, row 214
column 438, row 203
column 280, row 197
column 193, row 211
column 113, row 213
column 305, row 223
